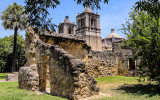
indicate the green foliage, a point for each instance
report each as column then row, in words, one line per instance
column 37, row 11
column 143, row 32
column 151, row 6
column 13, row 17
column 6, row 53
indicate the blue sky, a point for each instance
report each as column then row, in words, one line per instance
column 112, row 15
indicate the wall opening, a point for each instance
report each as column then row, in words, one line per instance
column 131, row 64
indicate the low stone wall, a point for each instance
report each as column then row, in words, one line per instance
column 12, row 77
column 101, row 64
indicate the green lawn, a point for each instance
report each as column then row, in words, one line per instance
column 3, row 75
column 112, row 88
column 127, row 88
column 10, row 91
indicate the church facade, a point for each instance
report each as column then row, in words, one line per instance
column 88, row 25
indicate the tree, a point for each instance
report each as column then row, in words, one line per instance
column 143, row 33
column 151, row 6
column 6, row 52
column 37, row 11
column 14, row 18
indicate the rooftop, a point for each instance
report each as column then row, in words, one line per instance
column 113, row 35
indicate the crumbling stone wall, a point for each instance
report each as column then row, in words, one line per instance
column 123, row 56
column 74, row 44
column 28, row 77
column 68, row 75
column 101, row 64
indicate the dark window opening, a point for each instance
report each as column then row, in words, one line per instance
column 92, row 22
column 131, row 64
column 70, row 30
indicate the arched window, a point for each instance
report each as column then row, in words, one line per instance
column 93, row 22
column 82, row 22
column 70, row 30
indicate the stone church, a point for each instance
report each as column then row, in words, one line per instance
column 88, row 25
column 71, row 59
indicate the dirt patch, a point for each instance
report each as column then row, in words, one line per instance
column 101, row 95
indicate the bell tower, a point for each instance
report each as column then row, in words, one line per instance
column 88, row 25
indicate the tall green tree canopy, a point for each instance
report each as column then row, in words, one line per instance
column 6, row 53
column 37, row 11
column 143, row 33
column 14, row 18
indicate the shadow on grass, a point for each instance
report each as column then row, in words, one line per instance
column 140, row 89
column 2, row 77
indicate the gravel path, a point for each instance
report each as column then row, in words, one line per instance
column 3, row 80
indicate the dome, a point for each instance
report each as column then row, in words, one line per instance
column 67, row 20
column 113, row 35
column 87, row 10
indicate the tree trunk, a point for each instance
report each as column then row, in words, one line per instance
column 14, row 49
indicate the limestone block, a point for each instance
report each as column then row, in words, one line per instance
column 12, row 77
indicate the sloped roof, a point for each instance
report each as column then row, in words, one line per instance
column 113, row 35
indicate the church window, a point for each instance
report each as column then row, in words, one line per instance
column 70, row 30
column 93, row 22
column 82, row 22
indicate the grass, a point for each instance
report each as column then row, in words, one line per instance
column 113, row 88
column 3, row 75
column 10, row 91
column 127, row 88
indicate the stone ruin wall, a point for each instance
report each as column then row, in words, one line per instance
column 68, row 75
column 98, row 63
column 69, row 63
column 122, row 58
column 101, row 64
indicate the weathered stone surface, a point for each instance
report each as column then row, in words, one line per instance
column 68, row 76
column 28, row 79
column 101, row 64
column 12, row 77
